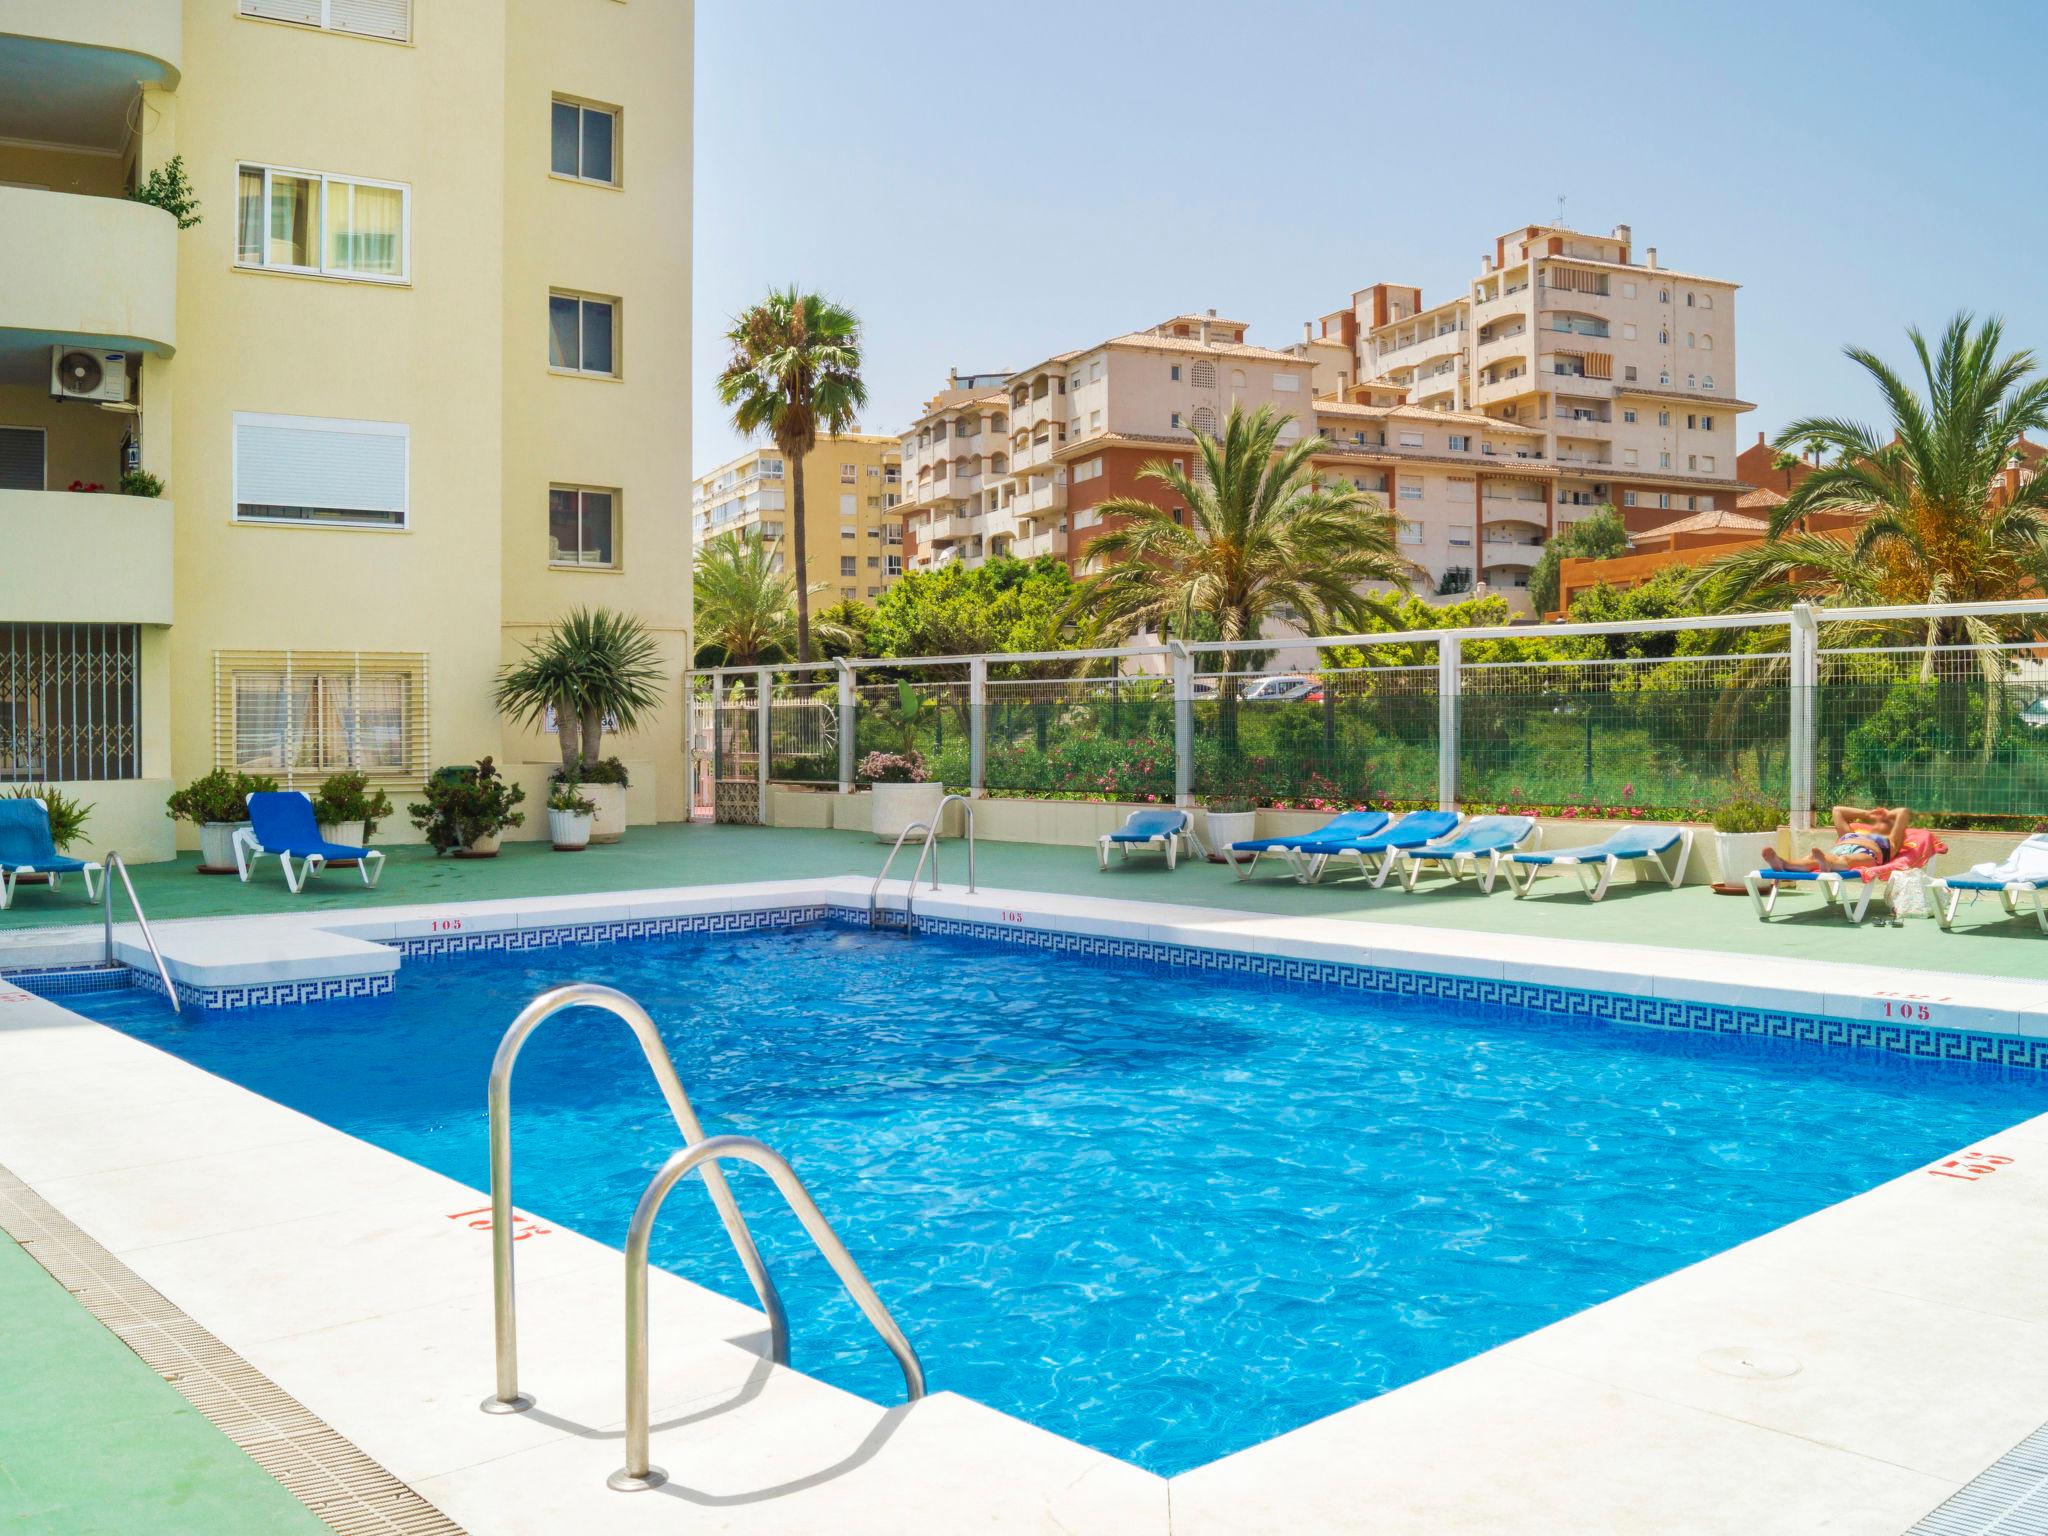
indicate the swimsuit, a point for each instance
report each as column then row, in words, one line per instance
column 1848, row 847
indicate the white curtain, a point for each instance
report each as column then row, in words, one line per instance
column 365, row 229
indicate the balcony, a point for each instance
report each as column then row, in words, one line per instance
column 1053, row 541
column 1429, row 386
column 1578, row 459
column 85, row 557
column 1584, row 427
column 108, row 46
column 88, row 271
column 1510, row 554
column 1047, row 498
column 947, row 526
column 1512, row 509
column 1579, row 384
column 1511, row 386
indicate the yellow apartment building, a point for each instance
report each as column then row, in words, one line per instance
column 853, row 539
column 410, row 385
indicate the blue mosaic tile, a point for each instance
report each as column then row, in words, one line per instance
column 59, row 980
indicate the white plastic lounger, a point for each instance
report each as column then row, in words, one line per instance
column 28, row 847
column 1159, row 831
column 281, row 822
column 1596, row 863
column 1345, row 825
column 1849, row 891
column 1476, row 849
column 2024, row 874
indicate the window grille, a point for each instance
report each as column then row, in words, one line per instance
column 299, row 716
column 70, row 702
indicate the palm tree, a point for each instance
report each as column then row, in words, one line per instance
column 595, row 664
column 746, row 606
column 1933, row 522
column 795, row 367
column 1263, row 534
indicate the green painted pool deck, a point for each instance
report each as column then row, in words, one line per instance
column 95, row 1443
column 675, row 854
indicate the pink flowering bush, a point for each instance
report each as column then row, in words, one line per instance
column 893, row 768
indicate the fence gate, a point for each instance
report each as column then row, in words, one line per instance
column 735, row 752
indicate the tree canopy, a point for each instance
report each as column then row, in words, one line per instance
column 1600, row 537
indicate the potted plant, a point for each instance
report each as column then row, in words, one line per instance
column 595, row 670
column 467, row 808
column 904, row 792
column 569, row 817
column 67, row 818
column 1232, row 819
column 348, row 811
column 218, row 804
column 603, row 784
column 1743, row 828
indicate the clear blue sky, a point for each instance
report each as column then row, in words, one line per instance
column 986, row 184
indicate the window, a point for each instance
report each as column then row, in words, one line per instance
column 332, row 226
column 308, row 469
column 301, row 715
column 849, row 474
column 1664, row 460
column 1706, row 301
column 1176, row 421
column 1664, row 501
column 848, row 504
column 585, row 140
column 580, row 333
column 1087, row 470
column 1692, row 461
column 1411, row 490
column 1628, row 498
column 1628, row 416
column 1410, row 439
column 1706, row 423
column 1706, row 341
column 1691, row 381
column 892, row 565
column 1709, row 382
column 1664, row 377
column 1460, row 535
column 1095, row 421
column 390, row 20
column 1203, row 376
column 1460, row 444
column 581, row 524
column 1663, row 295
column 1411, row 533
column 1707, row 463
column 1628, row 457
column 1628, row 373
column 1173, row 373
column 849, row 565
column 1663, row 337
column 22, row 465
column 70, row 706
column 1689, row 341
column 1691, row 421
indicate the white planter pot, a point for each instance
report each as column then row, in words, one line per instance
column 345, row 834
column 896, row 806
column 485, row 847
column 569, row 830
column 609, row 824
column 1737, row 853
column 217, row 844
column 1227, row 827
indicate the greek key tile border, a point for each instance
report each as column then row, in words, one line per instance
column 609, row 931
column 270, row 994
column 1488, row 995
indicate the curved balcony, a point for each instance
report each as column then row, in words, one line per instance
column 1510, row 554
column 124, row 579
column 143, row 38
column 88, row 271
column 1511, row 388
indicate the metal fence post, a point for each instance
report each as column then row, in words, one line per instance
column 1183, row 723
column 1804, row 668
column 1448, row 652
column 977, row 727
column 846, row 726
column 689, row 744
column 764, row 686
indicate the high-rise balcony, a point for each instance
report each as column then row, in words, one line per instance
column 85, row 558
column 87, row 271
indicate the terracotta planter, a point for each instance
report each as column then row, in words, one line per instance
column 569, row 831
column 609, row 824
column 895, row 806
column 217, row 846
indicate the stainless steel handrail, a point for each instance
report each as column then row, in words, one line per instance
column 508, row 1398
column 114, row 865
column 875, row 890
column 637, row 1474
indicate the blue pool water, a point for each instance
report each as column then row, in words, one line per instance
column 1169, row 1217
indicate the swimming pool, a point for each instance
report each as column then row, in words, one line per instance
column 1168, row 1215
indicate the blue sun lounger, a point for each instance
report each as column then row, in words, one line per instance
column 2023, row 874
column 1411, row 831
column 281, row 822
column 1631, row 845
column 1475, row 849
column 1159, row 830
column 26, row 848
column 1347, row 825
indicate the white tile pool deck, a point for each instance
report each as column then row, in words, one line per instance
column 1845, row 1373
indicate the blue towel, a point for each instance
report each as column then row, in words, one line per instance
column 1349, row 824
column 1411, row 831
column 1143, row 826
column 1483, row 834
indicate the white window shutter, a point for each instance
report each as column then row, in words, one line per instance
column 286, row 461
column 305, row 12
column 372, row 18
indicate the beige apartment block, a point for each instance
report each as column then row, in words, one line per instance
column 1614, row 374
column 853, row 534
column 410, row 384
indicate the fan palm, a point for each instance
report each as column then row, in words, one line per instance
column 1264, row 534
column 594, row 665
column 1933, row 523
column 795, row 369
column 746, row 606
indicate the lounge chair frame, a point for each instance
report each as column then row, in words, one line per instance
column 1461, row 866
column 1166, row 842
column 11, row 874
column 1948, row 897
column 249, row 848
column 1595, row 876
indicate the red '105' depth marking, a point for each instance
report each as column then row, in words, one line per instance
column 523, row 1225
column 1970, row 1166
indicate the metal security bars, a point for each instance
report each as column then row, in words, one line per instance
column 70, row 702
column 1667, row 717
column 299, row 716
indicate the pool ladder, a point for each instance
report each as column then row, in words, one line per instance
column 116, row 865
column 700, row 1154
column 877, row 913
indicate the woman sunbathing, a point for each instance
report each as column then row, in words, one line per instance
column 1863, row 840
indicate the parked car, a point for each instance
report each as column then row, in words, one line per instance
column 1284, row 689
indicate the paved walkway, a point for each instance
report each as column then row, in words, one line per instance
column 93, row 1441
column 684, row 854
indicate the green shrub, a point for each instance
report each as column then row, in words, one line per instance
column 348, row 797
column 466, row 803
column 67, row 816
column 222, row 795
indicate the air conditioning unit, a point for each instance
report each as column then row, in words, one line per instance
column 86, row 373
